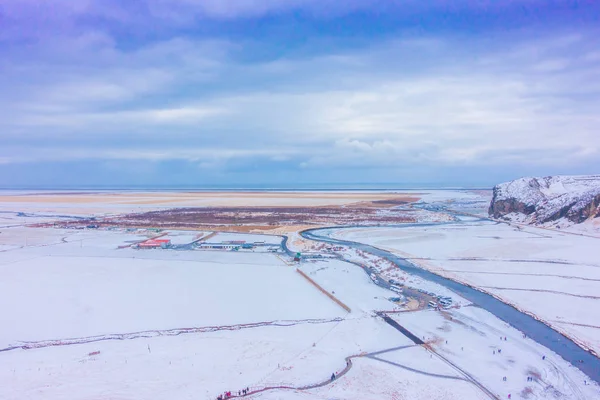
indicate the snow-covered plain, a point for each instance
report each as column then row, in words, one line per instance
column 249, row 238
column 64, row 296
column 190, row 366
column 255, row 322
column 553, row 275
column 387, row 270
column 470, row 338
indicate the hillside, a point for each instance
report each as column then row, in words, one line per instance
column 559, row 201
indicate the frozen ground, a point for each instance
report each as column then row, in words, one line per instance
column 350, row 285
column 374, row 379
column 101, row 322
column 88, row 287
column 554, row 275
column 85, row 296
column 249, row 238
column 470, row 339
column 466, row 201
column 184, row 237
column 190, row 366
column 387, row 270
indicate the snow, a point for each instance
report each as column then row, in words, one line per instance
column 450, row 195
column 549, row 196
column 388, row 270
column 184, row 237
column 351, row 285
column 248, row 238
column 534, row 190
column 553, row 275
column 470, row 338
column 372, row 379
column 85, row 296
column 259, row 323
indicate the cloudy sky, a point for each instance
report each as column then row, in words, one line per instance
column 297, row 92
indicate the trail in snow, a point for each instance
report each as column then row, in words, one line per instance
column 542, row 291
column 458, row 378
column 515, row 273
column 167, row 332
column 326, row 382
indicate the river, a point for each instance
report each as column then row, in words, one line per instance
column 533, row 328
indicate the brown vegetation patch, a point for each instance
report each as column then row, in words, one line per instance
column 250, row 218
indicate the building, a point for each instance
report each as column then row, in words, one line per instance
column 155, row 244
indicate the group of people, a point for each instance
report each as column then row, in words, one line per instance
column 227, row 395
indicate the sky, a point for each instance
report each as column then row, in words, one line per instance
column 297, row 93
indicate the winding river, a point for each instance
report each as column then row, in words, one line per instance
column 534, row 329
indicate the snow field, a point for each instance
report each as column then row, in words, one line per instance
column 387, row 270
column 350, row 284
column 473, row 337
column 249, row 238
column 373, row 380
column 192, row 366
column 87, row 287
column 66, row 297
column 184, row 237
column 376, row 380
column 544, row 273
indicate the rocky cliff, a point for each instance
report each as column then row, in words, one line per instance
column 558, row 200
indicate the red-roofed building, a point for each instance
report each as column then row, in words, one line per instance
column 155, row 244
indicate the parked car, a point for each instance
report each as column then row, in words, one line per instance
column 396, row 289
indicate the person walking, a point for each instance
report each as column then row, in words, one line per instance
column 332, row 377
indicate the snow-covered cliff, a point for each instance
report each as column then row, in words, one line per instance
column 552, row 200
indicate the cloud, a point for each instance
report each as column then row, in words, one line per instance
column 427, row 101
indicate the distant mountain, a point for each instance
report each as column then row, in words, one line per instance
column 552, row 200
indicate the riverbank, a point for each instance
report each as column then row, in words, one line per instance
column 531, row 327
